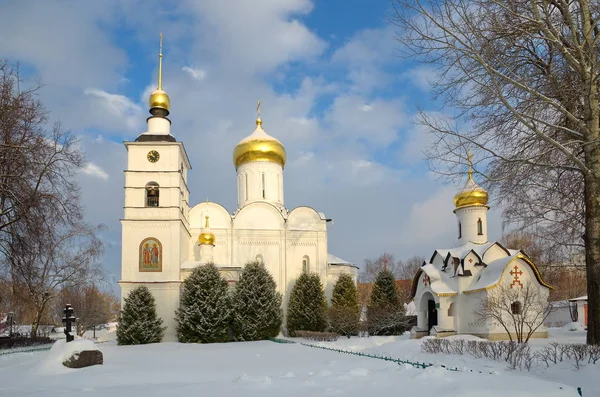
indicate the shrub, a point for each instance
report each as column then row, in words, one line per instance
column 257, row 310
column 344, row 314
column 307, row 307
column 204, row 313
column 138, row 323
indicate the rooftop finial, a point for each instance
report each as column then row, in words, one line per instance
column 258, row 119
column 206, row 224
column 160, row 64
column 470, row 162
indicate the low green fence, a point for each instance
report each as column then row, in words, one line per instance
column 27, row 350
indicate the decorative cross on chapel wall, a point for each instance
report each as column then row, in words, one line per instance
column 516, row 273
column 426, row 280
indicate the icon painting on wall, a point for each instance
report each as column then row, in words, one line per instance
column 150, row 255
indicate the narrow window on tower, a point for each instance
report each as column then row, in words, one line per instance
column 305, row 265
column 152, row 194
column 246, row 187
column 459, row 230
column 479, row 227
column 263, row 185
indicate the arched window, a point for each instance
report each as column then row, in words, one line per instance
column 305, row 264
column 245, row 187
column 263, row 186
column 459, row 230
column 479, row 227
column 152, row 191
column 451, row 309
column 516, row 308
column 259, row 258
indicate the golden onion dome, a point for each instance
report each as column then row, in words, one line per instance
column 471, row 194
column 206, row 237
column 159, row 99
column 259, row 146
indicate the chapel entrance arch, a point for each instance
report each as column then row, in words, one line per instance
column 428, row 306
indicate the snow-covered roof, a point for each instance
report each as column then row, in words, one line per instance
column 440, row 282
column 334, row 260
column 491, row 274
column 581, row 298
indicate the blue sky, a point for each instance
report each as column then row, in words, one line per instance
column 334, row 89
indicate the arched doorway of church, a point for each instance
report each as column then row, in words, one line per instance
column 429, row 306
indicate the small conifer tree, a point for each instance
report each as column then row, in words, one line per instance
column 385, row 312
column 138, row 323
column 344, row 314
column 204, row 313
column 307, row 308
column 257, row 310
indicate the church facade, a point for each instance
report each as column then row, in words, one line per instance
column 164, row 238
column 449, row 292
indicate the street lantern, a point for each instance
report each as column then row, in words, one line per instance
column 68, row 320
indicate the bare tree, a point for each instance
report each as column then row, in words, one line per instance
column 44, row 266
column 92, row 307
column 520, row 311
column 374, row 266
column 36, row 165
column 408, row 268
column 523, row 78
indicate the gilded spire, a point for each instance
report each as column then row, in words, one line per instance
column 160, row 63
column 206, row 224
column 258, row 119
column 471, row 194
column 470, row 162
column 159, row 99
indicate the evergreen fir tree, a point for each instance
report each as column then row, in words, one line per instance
column 205, row 309
column 385, row 312
column 257, row 310
column 307, row 308
column 344, row 314
column 138, row 322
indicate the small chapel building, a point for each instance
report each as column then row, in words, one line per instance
column 164, row 238
column 450, row 289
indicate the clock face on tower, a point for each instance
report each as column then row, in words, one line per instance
column 153, row 156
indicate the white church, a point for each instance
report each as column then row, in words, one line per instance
column 164, row 238
column 449, row 289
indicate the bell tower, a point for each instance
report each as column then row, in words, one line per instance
column 155, row 226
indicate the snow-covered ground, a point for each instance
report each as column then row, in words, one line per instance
column 404, row 348
column 273, row 369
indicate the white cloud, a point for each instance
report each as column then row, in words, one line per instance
column 421, row 77
column 196, row 73
column 95, row 171
column 119, row 109
column 332, row 150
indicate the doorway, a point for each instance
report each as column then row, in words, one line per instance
column 432, row 315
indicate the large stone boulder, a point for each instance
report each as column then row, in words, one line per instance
column 84, row 358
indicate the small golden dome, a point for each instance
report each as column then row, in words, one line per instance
column 259, row 146
column 206, row 237
column 471, row 194
column 159, row 99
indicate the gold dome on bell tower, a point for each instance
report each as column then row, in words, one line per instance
column 471, row 194
column 159, row 98
column 259, row 146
